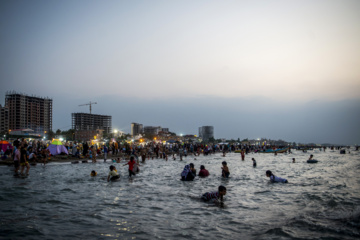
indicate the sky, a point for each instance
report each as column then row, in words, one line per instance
column 285, row 70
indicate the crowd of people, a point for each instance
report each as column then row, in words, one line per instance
column 24, row 152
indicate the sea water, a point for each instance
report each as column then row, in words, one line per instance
column 62, row 201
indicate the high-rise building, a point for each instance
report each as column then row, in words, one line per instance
column 4, row 119
column 87, row 121
column 206, row 132
column 29, row 112
column 136, row 129
column 152, row 130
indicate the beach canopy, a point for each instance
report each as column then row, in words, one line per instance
column 56, row 142
column 4, row 145
column 56, row 148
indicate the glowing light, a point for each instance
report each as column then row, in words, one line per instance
column 61, row 139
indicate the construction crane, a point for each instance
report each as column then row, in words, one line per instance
column 88, row 104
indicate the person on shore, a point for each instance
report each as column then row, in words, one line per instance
column 189, row 172
column 93, row 152
column 254, row 162
column 93, row 173
column 131, row 164
column 274, row 178
column 24, row 160
column 113, row 174
column 293, row 160
column 203, row 172
column 225, row 170
column 216, row 197
column 105, row 152
column 16, row 159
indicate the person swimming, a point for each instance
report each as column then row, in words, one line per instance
column 215, row 196
column 93, row 173
column 273, row 178
column 113, row 174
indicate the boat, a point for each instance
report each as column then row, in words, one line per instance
column 279, row 150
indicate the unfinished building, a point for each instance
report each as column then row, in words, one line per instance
column 29, row 112
column 86, row 121
column 4, row 119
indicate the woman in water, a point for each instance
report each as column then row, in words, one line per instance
column 189, row 173
column 273, row 178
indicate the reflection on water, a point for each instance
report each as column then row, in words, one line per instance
column 63, row 201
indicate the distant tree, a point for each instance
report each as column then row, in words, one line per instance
column 68, row 135
column 212, row 140
column 50, row 134
column 58, row 132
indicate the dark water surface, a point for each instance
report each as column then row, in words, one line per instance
column 62, row 201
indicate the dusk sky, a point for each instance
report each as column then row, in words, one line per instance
column 275, row 69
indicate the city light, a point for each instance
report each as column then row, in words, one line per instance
column 61, row 139
column 115, row 130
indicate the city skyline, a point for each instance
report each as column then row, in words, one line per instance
column 279, row 70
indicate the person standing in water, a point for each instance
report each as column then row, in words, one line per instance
column 24, row 160
column 225, row 170
column 254, row 162
column 131, row 164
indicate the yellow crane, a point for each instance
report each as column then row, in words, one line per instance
column 88, row 104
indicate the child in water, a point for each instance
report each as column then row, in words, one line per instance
column 293, row 160
column 93, row 173
column 225, row 170
column 215, row 196
column 254, row 162
column 273, row 178
column 131, row 164
column 113, row 174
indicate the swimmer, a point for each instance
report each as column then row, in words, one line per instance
column 225, row 170
column 118, row 160
column 203, row 172
column 311, row 157
column 215, row 196
column 93, row 173
column 254, row 162
column 273, row 178
column 293, row 160
column 113, row 174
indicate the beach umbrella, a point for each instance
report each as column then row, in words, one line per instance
column 56, row 142
column 56, row 148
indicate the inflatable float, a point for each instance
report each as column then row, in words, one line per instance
column 312, row 161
